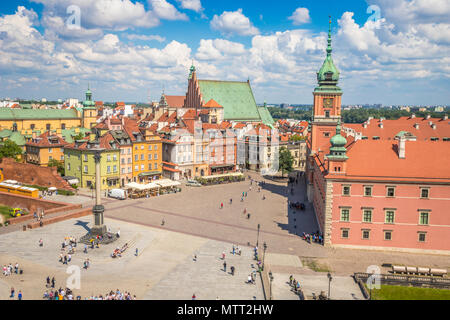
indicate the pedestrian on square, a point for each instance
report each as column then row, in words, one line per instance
column 223, row 255
column 19, row 296
column 248, row 216
column 12, row 293
column 291, row 278
column 224, row 266
column 41, row 243
column 194, row 297
column 53, row 282
column 221, row 205
column 48, row 282
column 137, row 252
column 233, row 250
column 245, row 210
column 232, row 270
column 231, row 201
column 85, row 249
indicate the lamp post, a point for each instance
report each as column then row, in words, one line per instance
column 264, row 255
column 329, row 284
column 271, row 279
column 257, row 237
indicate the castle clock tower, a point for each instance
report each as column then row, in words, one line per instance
column 327, row 102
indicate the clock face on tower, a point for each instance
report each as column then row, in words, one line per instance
column 328, row 102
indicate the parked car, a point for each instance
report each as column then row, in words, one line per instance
column 118, row 194
column 193, row 183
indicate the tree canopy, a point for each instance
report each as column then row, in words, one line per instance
column 9, row 149
column 286, row 161
column 58, row 164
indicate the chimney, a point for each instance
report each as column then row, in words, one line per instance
column 381, row 125
column 430, row 123
column 402, row 148
column 416, row 126
column 365, row 125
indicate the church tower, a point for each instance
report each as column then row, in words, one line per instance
column 89, row 111
column 327, row 102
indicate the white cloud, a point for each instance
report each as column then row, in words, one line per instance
column 110, row 14
column 165, row 10
column 219, row 49
column 145, row 37
column 234, row 22
column 194, row 5
column 300, row 16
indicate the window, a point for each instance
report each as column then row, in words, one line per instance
column 63, row 126
column 50, row 150
column 136, row 157
column 368, row 191
column 48, row 126
column 326, row 134
column 142, row 157
column 150, row 167
column 424, row 193
column 136, row 168
column 390, row 192
column 346, row 190
column 114, row 168
column 149, row 156
column 108, row 169
column 85, row 169
column 156, row 156
column 327, row 114
column 114, row 157
column 50, row 158
column 367, row 215
column 389, row 216
column 142, row 167
column 142, row 147
column 422, row 236
column 156, row 166
column 345, row 233
column 85, row 157
column 345, row 215
column 366, row 234
column 423, row 218
column 108, row 157
column 156, row 147
column 387, row 235
column 150, row 147
column 123, row 161
column 123, row 170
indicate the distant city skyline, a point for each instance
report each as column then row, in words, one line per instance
column 133, row 49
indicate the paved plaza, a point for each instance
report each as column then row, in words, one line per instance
column 195, row 225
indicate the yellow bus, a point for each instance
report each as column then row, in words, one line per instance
column 16, row 189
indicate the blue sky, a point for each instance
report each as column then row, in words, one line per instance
column 126, row 48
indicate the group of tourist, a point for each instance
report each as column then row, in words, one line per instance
column 67, row 249
column 295, row 285
column 316, row 237
column 67, row 294
column 10, row 269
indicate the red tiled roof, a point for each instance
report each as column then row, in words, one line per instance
column 378, row 160
column 43, row 141
column 175, row 101
column 170, row 169
column 393, row 127
column 212, row 104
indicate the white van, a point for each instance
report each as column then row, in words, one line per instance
column 118, row 194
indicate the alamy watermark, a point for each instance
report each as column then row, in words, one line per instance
column 73, row 22
column 374, row 21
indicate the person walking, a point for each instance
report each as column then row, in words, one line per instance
column 48, row 282
column 12, row 293
column 223, row 255
column 221, row 205
column 224, row 266
column 19, row 296
column 232, row 270
column 231, row 201
column 137, row 252
column 53, row 282
column 194, row 297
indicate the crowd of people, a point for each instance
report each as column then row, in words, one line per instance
column 11, row 269
column 316, row 237
column 295, row 285
column 67, row 294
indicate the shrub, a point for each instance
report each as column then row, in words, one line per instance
column 65, row 192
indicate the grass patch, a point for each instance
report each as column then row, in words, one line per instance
column 409, row 293
column 315, row 266
column 4, row 212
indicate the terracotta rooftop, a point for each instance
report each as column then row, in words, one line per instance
column 212, row 104
column 175, row 101
column 47, row 140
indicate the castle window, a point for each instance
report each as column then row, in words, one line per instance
column 366, row 234
column 390, row 192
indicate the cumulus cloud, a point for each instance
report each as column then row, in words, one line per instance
column 219, row 49
column 300, row 16
column 145, row 37
column 194, row 5
column 234, row 22
column 165, row 10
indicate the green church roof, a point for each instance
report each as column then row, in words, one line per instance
column 236, row 98
column 265, row 115
column 36, row 114
column 329, row 73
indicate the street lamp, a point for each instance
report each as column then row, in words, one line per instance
column 329, row 284
column 257, row 237
column 264, row 256
column 271, row 279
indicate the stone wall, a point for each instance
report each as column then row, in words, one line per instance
column 31, row 174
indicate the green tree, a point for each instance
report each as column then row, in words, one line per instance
column 9, row 149
column 297, row 137
column 79, row 136
column 58, row 164
column 286, row 161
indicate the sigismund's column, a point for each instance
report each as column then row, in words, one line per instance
column 99, row 229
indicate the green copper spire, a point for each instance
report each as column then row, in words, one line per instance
column 328, row 75
column 88, row 102
column 192, row 70
column 338, row 143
